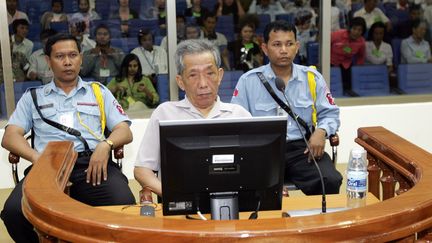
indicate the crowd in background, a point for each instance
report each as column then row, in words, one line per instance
column 124, row 42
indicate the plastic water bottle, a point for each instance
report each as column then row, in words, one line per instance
column 357, row 179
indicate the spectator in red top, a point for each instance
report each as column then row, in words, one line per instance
column 348, row 48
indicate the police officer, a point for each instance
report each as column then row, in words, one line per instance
column 71, row 102
column 280, row 46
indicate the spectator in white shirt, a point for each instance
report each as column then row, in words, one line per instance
column 20, row 43
column 372, row 14
column 415, row 49
column 85, row 15
column 39, row 69
column 153, row 59
column 269, row 7
column 13, row 13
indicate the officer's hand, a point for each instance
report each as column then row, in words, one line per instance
column 98, row 164
column 316, row 144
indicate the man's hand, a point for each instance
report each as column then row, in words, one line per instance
column 98, row 164
column 316, row 144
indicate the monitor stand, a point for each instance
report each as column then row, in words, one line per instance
column 224, row 205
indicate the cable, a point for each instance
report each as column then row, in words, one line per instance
column 254, row 215
column 280, row 84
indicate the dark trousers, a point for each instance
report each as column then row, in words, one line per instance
column 304, row 174
column 113, row 191
column 346, row 78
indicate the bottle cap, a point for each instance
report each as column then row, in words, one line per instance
column 357, row 153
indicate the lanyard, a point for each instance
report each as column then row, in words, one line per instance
column 151, row 64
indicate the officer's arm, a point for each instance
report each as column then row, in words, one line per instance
column 121, row 134
column 14, row 142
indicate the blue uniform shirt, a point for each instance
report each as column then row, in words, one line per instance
column 64, row 108
column 252, row 95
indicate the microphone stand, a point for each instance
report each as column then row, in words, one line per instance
column 280, row 85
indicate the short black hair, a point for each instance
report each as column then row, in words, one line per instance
column 144, row 32
column 102, row 26
column 279, row 25
column 358, row 21
column 59, row 37
column 57, row 1
column 416, row 23
column 373, row 27
column 18, row 22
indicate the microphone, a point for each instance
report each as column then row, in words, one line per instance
column 280, row 85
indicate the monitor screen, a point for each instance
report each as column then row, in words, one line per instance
column 226, row 157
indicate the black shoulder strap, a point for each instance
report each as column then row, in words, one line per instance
column 57, row 125
column 283, row 105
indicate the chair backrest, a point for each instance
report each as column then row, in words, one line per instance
column 287, row 17
column 264, row 19
column 70, row 6
column 36, row 8
column 228, row 84
column 163, row 88
column 369, row 80
column 415, row 78
column 62, row 27
column 225, row 25
column 19, row 89
column 312, row 50
column 336, row 82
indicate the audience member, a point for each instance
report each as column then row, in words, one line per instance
column 20, row 43
column 379, row 52
column 196, row 11
column 19, row 66
column 199, row 75
column 270, row 7
column 280, row 46
column 155, row 11
column 153, row 58
column 230, row 7
column 371, row 14
column 180, row 24
column 337, row 17
column 208, row 32
column 348, row 48
column 124, row 13
column 13, row 13
column 403, row 29
column 305, row 33
column 130, row 87
column 301, row 5
column 415, row 49
column 55, row 15
column 39, row 68
column 77, row 29
column 427, row 13
column 245, row 51
column 103, row 61
column 85, row 15
column 95, row 179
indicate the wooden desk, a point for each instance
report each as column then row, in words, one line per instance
column 403, row 215
column 288, row 203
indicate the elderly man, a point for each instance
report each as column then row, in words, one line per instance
column 199, row 75
column 71, row 102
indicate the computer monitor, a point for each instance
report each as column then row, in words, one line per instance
column 222, row 166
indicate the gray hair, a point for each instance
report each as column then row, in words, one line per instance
column 195, row 46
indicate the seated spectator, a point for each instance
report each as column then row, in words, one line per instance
column 230, row 7
column 103, row 61
column 124, row 13
column 154, row 59
column 20, row 43
column 379, row 52
column 270, row 7
column 13, row 12
column 415, row 49
column 208, row 32
column 85, row 15
column 403, row 29
column 305, row 33
column 301, row 5
column 77, row 30
column 55, row 15
column 155, row 11
column 39, row 69
column 371, row 14
column 348, row 48
column 337, row 17
column 19, row 66
column 197, row 11
column 246, row 53
column 180, row 23
column 130, row 87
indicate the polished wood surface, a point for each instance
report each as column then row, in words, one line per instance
column 403, row 170
column 308, row 203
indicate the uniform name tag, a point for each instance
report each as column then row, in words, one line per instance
column 67, row 119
